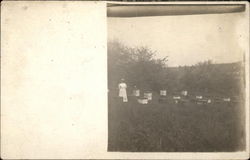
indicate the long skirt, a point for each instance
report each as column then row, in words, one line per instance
column 123, row 94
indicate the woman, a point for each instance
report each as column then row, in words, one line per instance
column 122, row 90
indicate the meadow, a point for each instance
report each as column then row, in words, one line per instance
column 170, row 127
column 174, row 127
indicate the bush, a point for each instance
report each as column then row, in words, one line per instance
column 138, row 66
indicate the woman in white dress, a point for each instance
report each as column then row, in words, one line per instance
column 122, row 90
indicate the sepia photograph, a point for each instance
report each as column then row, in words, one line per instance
column 124, row 80
column 176, row 78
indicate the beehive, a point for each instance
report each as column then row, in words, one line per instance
column 226, row 99
column 163, row 92
column 176, row 97
column 198, row 97
column 143, row 100
column 136, row 92
column 148, row 95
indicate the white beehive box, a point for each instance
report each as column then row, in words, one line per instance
column 209, row 101
column 143, row 100
column 176, row 97
column 198, row 97
column 148, row 95
column 226, row 99
column 136, row 92
column 163, row 92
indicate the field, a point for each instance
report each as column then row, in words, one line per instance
column 170, row 127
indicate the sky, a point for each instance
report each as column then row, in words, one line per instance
column 186, row 39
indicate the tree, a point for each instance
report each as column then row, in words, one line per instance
column 137, row 65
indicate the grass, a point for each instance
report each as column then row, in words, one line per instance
column 169, row 127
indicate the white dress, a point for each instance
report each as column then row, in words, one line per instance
column 123, row 92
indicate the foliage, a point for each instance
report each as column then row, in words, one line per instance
column 138, row 66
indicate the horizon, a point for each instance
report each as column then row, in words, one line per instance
column 235, row 62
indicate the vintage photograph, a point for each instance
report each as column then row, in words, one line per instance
column 176, row 78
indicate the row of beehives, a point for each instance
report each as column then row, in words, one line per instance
column 198, row 99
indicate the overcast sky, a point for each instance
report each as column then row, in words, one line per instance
column 185, row 39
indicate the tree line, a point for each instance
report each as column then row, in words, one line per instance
column 140, row 67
